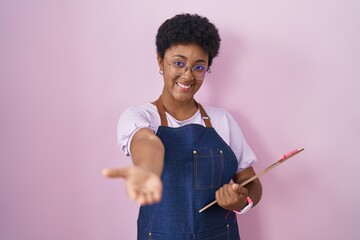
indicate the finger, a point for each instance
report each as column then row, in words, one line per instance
column 221, row 192
column 115, row 172
column 241, row 192
column 156, row 195
column 141, row 199
column 222, row 195
column 147, row 198
column 236, row 188
column 228, row 192
column 133, row 195
column 217, row 196
column 143, row 196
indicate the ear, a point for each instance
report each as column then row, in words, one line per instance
column 160, row 62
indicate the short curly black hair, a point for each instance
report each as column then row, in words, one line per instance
column 188, row 28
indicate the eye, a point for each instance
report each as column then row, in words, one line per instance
column 200, row 68
column 178, row 64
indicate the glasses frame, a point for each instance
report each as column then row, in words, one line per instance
column 207, row 72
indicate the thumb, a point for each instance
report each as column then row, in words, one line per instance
column 115, row 172
column 236, row 188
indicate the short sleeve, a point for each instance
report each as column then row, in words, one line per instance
column 243, row 152
column 130, row 121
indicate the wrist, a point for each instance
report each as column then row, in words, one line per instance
column 246, row 208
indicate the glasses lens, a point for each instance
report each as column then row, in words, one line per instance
column 179, row 68
column 199, row 71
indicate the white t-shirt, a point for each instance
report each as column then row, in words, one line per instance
column 147, row 116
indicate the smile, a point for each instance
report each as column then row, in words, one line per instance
column 183, row 86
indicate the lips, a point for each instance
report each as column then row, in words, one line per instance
column 183, row 86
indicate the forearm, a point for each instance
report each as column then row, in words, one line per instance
column 255, row 190
column 147, row 151
column 254, row 187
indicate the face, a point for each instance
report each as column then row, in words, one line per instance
column 182, row 87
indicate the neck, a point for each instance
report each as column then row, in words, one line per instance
column 180, row 110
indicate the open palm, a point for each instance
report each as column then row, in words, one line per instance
column 142, row 185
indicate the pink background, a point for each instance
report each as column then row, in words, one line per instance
column 288, row 71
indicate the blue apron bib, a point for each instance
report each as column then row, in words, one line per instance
column 197, row 163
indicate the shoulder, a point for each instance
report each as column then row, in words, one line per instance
column 134, row 118
column 147, row 110
column 218, row 114
column 140, row 116
column 144, row 108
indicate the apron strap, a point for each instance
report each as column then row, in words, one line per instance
column 161, row 110
column 204, row 115
column 164, row 122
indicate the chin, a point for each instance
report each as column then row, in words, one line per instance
column 183, row 97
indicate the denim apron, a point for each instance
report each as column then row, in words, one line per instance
column 197, row 163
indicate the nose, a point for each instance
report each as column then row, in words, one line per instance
column 188, row 73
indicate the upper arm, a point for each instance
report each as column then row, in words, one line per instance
column 244, row 175
column 130, row 122
column 144, row 136
column 243, row 152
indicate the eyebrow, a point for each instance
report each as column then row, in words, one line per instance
column 182, row 56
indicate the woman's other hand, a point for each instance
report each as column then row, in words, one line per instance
column 143, row 186
column 232, row 196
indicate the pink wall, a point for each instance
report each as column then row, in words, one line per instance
column 288, row 71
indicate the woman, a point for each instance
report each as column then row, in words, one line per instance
column 184, row 155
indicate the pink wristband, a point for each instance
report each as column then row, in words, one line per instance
column 246, row 208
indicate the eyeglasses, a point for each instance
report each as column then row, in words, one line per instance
column 199, row 71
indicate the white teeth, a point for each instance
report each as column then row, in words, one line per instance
column 183, row 86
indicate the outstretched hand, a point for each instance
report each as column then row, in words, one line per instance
column 143, row 186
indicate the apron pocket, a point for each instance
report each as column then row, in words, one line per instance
column 162, row 236
column 208, row 168
column 222, row 233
